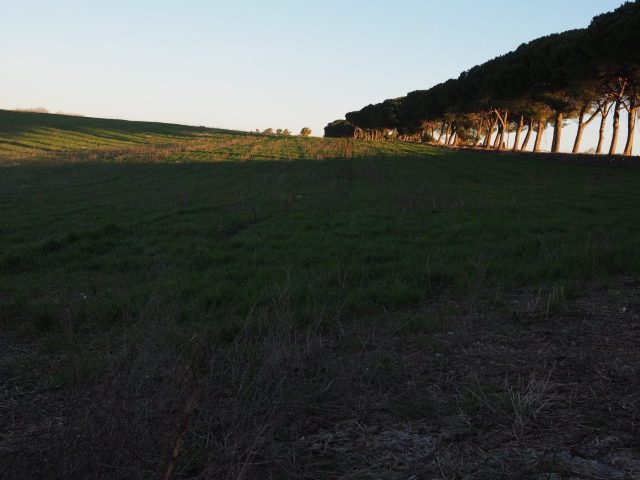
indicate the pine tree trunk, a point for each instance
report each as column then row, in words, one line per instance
column 454, row 137
column 487, row 140
column 487, row 137
column 603, row 124
column 616, row 128
column 498, row 138
column 440, row 133
column 581, row 127
column 476, row 140
column 541, row 128
column 518, row 133
column 527, row 137
column 503, row 130
column 631, row 130
column 557, row 132
column 604, row 109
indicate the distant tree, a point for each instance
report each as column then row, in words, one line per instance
column 286, row 132
column 268, row 131
column 305, row 132
column 340, row 129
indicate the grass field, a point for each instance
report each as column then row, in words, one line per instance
column 129, row 249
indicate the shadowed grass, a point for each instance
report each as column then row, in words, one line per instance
column 219, row 223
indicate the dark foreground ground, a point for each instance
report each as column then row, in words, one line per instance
column 188, row 303
column 504, row 390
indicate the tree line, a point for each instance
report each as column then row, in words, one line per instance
column 585, row 74
column 305, row 132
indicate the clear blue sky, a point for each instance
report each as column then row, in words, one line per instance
column 247, row 65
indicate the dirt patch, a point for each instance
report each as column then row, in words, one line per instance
column 509, row 390
column 30, row 413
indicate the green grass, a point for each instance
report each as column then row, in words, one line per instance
column 100, row 217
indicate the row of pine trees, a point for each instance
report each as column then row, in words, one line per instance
column 585, row 75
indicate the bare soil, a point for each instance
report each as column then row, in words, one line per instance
column 514, row 388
